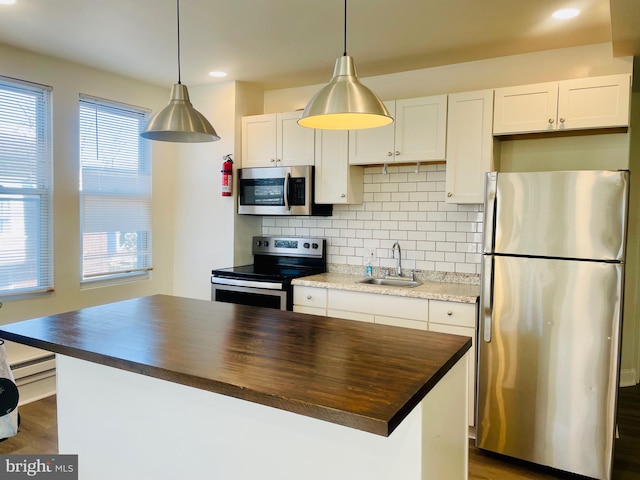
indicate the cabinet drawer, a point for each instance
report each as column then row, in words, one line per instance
column 347, row 315
column 401, row 322
column 310, row 297
column 310, row 310
column 452, row 313
column 379, row 305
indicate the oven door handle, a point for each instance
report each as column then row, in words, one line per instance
column 246, row 283
column 287, row 177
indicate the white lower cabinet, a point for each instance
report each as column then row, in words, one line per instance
column 310, row 300
column 458, row 319
column 440, row 316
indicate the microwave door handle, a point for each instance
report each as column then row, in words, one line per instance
column 287, row 177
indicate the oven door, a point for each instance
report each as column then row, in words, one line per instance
column 254, row 296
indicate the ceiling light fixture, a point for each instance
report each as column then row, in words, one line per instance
column 217, row 74
column 565, row 13
column 179, row 121
column 345, row 103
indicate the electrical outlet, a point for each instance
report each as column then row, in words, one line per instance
column 371, row 254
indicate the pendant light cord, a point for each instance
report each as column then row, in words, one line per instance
column 345, row 29
column 178, row 17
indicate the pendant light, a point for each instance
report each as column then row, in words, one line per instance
column 344, row 103
column 179, row 121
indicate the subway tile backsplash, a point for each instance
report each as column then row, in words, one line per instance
column 406, row 206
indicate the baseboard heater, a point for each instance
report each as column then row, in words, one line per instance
column 35, row 378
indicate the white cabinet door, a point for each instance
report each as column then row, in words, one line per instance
column 259, row 134
column 466, row 332
column 371, row 146
column 469, row 145
column 585, row 103
column 421, row 129
column 458, row 319
column 526, row 108
column 337, row 182
column 594, row 102
column 295, row 144
column 372, row 307
column 276, row 139
column 417, row 134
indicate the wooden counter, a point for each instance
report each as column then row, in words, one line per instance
column 148, row 389
column 363, row 376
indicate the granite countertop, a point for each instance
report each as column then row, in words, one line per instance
column 451, row 292
column 362, row 375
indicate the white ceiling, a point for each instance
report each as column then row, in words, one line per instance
column 283, row 43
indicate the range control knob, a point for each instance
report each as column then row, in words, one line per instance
column 314, row 246
column 265, row 243
column 258, row 243
column 306, row 245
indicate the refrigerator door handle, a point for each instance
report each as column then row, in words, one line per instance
column 490, row 187
column 486, row 304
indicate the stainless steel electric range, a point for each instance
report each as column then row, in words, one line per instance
column 267, row 282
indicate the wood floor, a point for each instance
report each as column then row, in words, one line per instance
column 38, row 435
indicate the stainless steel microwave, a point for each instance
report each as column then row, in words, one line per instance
column 278, row 191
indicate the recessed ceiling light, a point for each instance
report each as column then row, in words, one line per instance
column 218, row 74
column 7, row 2
column 566, row 13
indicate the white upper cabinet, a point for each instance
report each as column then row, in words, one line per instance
column 417, row 134
column 276, row 139
column 336, row 181
column 469, row 145
column 585, row 103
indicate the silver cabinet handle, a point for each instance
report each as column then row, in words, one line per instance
column 449, row 194
column 389, row 154
column 551, row 121
column 449, row 312
column 397, row 152
column 342, row 195
column 309, row 297
column 273, row 160
column 562, row 120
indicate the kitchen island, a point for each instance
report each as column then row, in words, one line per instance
column 168, row 387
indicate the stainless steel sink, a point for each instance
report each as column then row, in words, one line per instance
column 391, row 282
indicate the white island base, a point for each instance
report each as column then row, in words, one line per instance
column 126, row 425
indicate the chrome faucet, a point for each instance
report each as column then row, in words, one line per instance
column 399, row 264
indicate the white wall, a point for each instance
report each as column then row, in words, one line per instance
column 208, row 234
column 68, row 81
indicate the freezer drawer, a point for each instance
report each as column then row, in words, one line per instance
column 548, row 361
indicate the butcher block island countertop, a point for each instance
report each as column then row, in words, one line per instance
column 367, row 377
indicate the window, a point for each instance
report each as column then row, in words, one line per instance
column 26, row 258
column 115, row 190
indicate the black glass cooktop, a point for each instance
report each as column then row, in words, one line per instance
column 267, row 273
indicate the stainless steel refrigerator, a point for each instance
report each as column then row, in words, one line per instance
column 550, row 317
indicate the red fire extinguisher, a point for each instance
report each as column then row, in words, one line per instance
column 227, row 176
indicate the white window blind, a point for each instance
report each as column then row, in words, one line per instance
column 115, row 190
column 26, row 258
